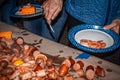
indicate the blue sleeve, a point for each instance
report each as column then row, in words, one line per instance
column 118, row 13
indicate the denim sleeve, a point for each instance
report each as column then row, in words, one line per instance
column 118, row 12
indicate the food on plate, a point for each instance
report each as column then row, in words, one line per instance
column 28, row 9
column 22, row 61
column 6, row 34
column 93, row 44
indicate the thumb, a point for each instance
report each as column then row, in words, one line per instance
column 109, row 26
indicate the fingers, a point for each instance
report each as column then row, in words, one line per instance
column 116, row 29
column 45, row 6
column 51, row 13
column 52, row 9
column 110, row 26
column 56, row 12
column 113, row 26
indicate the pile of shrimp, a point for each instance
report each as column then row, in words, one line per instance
column 22, row 61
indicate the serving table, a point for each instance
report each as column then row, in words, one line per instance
column 56, row 49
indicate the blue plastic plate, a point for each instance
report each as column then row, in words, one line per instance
column 94, row 32
column 16, row 13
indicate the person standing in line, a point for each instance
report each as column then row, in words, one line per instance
column 105, row 13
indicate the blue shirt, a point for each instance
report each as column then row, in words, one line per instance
column 98, row 12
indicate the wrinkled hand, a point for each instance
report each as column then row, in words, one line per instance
column 52, row 9
column 115, row 26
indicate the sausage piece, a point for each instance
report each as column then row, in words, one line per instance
column 63, row 70
column 68, row 77
column 52, row 75
column 72, row 61
column 100, row 71
column 20, row 40
column 4, row 63
column 80, row 72
column 67, row 62
column 78, row 65
column 7, row 71
column 90, row 72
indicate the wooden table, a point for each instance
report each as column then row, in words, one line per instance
column 55, row 49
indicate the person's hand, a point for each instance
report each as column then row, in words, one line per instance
column 115, row 25
column 52, row 9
